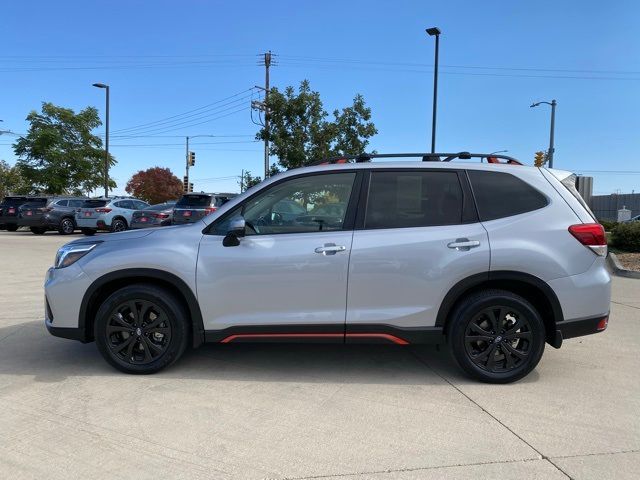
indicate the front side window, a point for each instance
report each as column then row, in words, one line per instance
column 403, row 199
column 62, row 203
column 313, row 204
column 500, row 195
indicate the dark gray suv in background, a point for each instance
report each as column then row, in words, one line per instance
column 9, row 212
column 52, row 213
column 194, row 206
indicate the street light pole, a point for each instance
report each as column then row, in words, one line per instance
column 434, row 32
column 553, row 104
column 106, row 140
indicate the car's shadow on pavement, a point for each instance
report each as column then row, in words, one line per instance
column 28, row 349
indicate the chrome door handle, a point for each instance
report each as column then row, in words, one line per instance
column 463, row 244
column 330, row 249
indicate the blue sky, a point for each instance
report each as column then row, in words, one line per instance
column 165, row 58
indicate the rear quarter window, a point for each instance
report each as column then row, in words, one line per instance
column 500, row 195
column 94, row 203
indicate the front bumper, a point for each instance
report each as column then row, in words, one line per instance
column 64, row 289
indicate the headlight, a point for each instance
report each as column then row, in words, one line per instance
column 70, row 254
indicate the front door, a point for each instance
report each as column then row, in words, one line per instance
column 288, row 276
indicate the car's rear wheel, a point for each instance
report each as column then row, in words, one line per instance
column 38, row 230
column 118, row 225
column 12, row 227
column 141, row 329
column 496, row 336
column 66, row 226
column 88, row 231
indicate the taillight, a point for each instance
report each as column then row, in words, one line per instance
column 602, row 324
column 590, row 235
column 160, row 215
column 103, row 210
column 209, row 210
column 11, row 210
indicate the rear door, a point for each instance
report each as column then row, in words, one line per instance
column 418, row 236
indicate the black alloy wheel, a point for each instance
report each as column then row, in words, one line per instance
column 496, row 336
column 498, row 339
column 138, row 332
column 118, row 225
column 141, row 329
column 66, row 227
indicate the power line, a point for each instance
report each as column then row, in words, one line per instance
column 135, row 127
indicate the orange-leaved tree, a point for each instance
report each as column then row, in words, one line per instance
column 155, row 185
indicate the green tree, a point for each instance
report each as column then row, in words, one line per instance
column 155, row 185
column 59, row 154
column 248, row 181
column 11, row 182
column 300, row 131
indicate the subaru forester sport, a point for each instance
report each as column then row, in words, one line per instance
column 494, row 258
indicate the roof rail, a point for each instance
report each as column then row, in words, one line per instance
column 425, row 157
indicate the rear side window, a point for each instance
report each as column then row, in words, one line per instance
column 62, row 203
column 194, row 201
column 76, row 203
column 413, row 199
column 500, row 195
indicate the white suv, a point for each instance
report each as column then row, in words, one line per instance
column 112, row 214
column 495, row 259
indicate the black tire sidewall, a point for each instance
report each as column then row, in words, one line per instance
column 165, row 300
column 465, row 312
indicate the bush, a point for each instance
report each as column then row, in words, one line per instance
column 626, row 236
column 608, row 225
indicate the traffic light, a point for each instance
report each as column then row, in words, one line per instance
column 191, row 187
column 540, row 160
column 192, row 159
column 185, row 184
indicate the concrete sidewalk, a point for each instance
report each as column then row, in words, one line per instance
column 307, row 411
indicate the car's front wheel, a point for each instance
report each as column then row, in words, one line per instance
column 141, row 329
column 496, row 336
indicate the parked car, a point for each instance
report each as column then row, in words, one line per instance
column 159, row 215
column 53, row 213
column 9, row 212
column 111, row 214
column 494, row 259
column 194, row 206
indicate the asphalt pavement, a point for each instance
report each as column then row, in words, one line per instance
column 307, row 411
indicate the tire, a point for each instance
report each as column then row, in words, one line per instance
column 12, row 227
column 118, row 225
column 153, row 347
column 501, row 353
column 67, row 226
column 38, row 230
column 88, row 231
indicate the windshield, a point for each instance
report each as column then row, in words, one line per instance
column 194, row 201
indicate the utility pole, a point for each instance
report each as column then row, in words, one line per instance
column 553, row 104
column 434, row 32
column 186, row 159
column 266, row 60
column 106, row 140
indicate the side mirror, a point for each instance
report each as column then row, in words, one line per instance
column 236, row 231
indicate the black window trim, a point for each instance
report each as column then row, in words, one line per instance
column 469, row 211
column 352, row 204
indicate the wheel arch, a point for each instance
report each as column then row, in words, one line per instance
column 530, row 287
column 120, row 217
column 104, row 286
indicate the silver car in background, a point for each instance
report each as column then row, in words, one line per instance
column 496, row 260
column 158, row 215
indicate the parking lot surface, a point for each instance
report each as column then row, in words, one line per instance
column 307, row 411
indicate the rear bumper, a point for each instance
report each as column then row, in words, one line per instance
column 6, row 220
column 32, row 222
column 579, row 328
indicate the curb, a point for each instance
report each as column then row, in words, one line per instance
column 618, row 269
